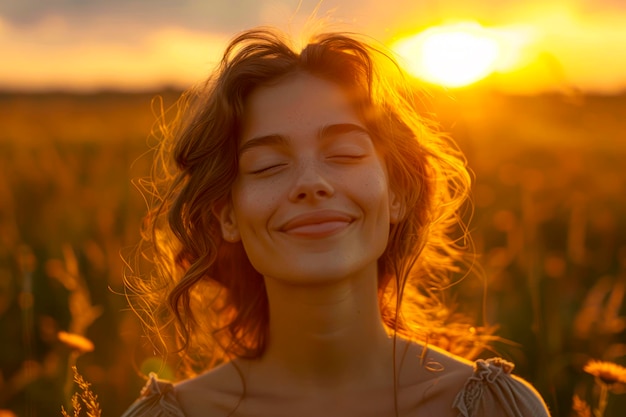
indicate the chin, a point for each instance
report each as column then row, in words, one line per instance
column 324, row 271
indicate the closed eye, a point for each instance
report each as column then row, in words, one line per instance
column 268, row 169
column 348, row 158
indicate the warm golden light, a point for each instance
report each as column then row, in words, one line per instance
column 549, row 47
column 459, row 54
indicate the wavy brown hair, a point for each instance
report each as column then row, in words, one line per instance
column 202, row 295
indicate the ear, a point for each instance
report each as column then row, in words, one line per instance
column 226, row 216
column 396, row 208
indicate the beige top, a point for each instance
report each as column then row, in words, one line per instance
column 491, row 390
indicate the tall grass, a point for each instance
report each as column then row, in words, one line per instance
column 549, row 223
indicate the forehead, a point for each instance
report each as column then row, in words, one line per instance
column 297, row 105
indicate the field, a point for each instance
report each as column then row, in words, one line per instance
column 549, row 224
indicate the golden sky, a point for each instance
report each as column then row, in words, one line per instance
column 145, row 44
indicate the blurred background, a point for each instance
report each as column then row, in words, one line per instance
column 533, row 91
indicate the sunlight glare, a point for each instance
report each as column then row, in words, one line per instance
column 460, row 54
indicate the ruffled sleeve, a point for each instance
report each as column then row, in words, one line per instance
column 158, row 399
column 493, row 391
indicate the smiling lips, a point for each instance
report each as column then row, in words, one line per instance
column 317, row 224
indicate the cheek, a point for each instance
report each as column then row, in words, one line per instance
column 253, row 205
column 376, row 193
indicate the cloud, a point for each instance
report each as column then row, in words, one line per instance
column 207, row 15
column 141, row 44
column 53, row 55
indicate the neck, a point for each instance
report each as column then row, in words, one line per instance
column 328, row 335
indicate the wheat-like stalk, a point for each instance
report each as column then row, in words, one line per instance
column 86, row 397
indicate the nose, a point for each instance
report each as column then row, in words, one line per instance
column 311, row 183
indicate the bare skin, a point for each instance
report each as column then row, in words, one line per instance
column 427, row 388
column 307, row 153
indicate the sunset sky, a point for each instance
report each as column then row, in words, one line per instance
column 85, row 45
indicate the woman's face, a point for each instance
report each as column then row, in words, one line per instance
column 311, row 202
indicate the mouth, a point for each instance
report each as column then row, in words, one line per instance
column 317, row 224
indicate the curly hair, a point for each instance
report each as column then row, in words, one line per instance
column 203, row 296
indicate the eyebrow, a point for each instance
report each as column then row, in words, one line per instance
column 265, row 140
column 341, row 128
column 276, row 139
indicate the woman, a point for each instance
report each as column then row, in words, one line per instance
column 301, row 236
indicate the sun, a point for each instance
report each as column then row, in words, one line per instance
column 456, row 55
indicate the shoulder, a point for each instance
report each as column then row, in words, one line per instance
column 157, row 399
column 493, row 390
column 481, row 388
column 213, row 394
